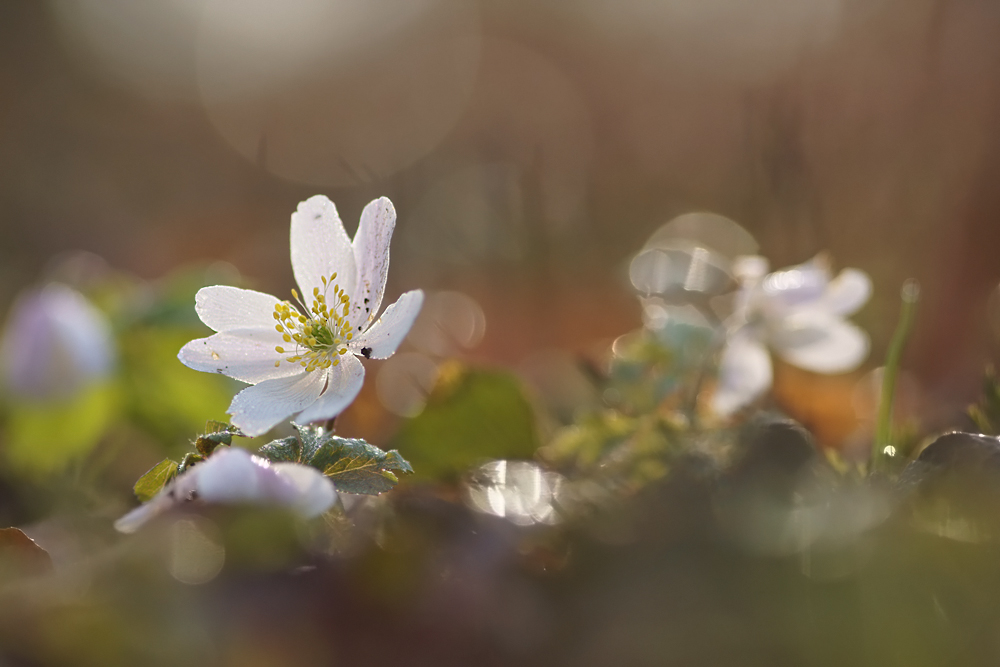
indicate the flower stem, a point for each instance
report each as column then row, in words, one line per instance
column 910, row 295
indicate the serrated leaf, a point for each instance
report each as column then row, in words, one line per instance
column 153, row 481
column 358, row 467
column 284, row 450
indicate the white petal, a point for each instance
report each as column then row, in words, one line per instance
column 797, row 285
column 257, row 409
column 343, row 385
column 389, row 330
column 846, row 293
column 320, row 247
column 315, row 493
column 248, row 357
column 821, row 343
column 371, row 253
column 225, row 308
column 744, row 374
column 233, row 475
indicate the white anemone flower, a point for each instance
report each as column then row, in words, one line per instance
column 235, row 476
column 302, row 357
column 798, row 313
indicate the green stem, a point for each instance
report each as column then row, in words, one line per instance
column 910, row 295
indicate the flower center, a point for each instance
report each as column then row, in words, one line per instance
column 321, row 335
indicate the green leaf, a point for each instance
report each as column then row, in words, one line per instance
column 216, row 433
column 358, row 467
column 354, row 465
column 153, row 481
column 471, row 415
column 284, row 450
column 44, row 437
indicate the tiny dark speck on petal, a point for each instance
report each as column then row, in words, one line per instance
column 317, row 216
column 366, row 352
column 366, row 300
column 218, row 370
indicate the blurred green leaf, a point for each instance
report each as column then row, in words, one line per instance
column 986, row 413
column 471, row 415
column 165, row 397
column 44, row 437
column 153, row 481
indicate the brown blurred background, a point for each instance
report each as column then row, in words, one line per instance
column 530, row 148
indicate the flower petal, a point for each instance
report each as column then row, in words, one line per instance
column 389, row 330
column 371, row 253
column 233, row 475
column 343, row 385
column 821, row 343
column 257, row 409
column 320, row 247
column 248, row 357
column 315, row 493
column 797, row 285
column 225, row 308
column 846, row 293
column 744, row 374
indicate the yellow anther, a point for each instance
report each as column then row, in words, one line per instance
column 277, row 363
column 279, row 349
column 342, row 351
column 286, row 338
column 323, row 278
column 303, row 364
column 350, row 336
column 294, row 293
column 336, row 361
column 276, row 315
column 315, row 291
column 279, row 328
column 347, row 309
column 334, row 276
column 312, row 342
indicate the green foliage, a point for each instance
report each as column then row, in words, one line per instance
column 45, row 437
column 471, row 415
column 632, row 449
column 165, row 397
column 153, row 481
column 216, row 433
column 986, row 413
column 354, row 465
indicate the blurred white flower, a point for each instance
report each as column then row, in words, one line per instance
column 54, row 344
column 303, row 361
column 234, row 476
column 798, row 313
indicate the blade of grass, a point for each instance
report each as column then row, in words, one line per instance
column 910, row 295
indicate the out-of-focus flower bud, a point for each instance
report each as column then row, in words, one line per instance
column 54, row 343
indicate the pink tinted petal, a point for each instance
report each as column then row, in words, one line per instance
column 385, row 336
column 248, row 357
column 259, row 408
column 371, row 253
column 796, row 285
column 226, row 308
column 320, row 247
column 744, row 374
column 315, row 493
column 233, row 475
column 848, row 292
column 821, row 343
column 343, row 385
